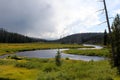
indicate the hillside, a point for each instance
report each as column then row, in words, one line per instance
column 10, row 37
column 90, row 38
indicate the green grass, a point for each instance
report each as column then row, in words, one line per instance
column 16, row 68
column 89, row 52
column 6, row 48
column 46, row 69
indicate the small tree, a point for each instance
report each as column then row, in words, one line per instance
column 58, row 58
column 105, row 37
column 116, row 42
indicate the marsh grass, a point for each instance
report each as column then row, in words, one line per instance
column 7, row 48
column 46, row 69
column 89, row 52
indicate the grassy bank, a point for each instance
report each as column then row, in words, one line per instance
column 11, row 48
column 45, row 69
column 89, row 52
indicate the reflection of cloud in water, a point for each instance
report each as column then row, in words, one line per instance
column 51, row 53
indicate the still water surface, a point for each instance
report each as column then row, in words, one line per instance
column 51, row 53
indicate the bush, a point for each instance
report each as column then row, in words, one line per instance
column 50, row 68
column 67, row 58
column 14, row 57
column 27, row 65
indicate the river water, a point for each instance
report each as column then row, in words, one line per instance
column 51, row 53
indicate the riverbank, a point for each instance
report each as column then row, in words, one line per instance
column 89, row 52
column 18, row 68
column 45, row 69
column 8, row 48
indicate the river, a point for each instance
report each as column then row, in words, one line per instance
column 51, row 53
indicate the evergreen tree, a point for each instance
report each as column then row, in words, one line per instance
column 105, row 38
column 10, row 37
column 58, row 58
column 116, row 42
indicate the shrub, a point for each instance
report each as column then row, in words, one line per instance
column 27, row 65
column 14, row 57
column 67, row 58
column 50, row 68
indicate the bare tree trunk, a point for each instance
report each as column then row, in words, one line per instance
column 110, row 32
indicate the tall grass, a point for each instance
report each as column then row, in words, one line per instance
column 89, row 52
column 6, row 48
column 46, row 69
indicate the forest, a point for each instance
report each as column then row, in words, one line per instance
column 10, row 37
column 81, row 38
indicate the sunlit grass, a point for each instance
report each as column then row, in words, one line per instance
column 89, row 52
column 46, row 69
column 11, row 72
column 13, row 68
column 11, row 48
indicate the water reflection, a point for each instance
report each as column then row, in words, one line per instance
column 52, row 52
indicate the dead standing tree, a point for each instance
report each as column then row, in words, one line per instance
column 110, row 32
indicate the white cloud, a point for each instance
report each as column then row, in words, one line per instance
column 68, row 12
column 117, row 12
column 52, row 18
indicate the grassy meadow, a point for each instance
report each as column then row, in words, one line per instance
column 19, row 68
column 46, row 69
column 6, row 48
column 89, row 52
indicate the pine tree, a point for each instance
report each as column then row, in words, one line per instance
column 105, row 38
column 58, row 58
column 116, row 42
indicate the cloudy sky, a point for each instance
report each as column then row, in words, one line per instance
column 51, row 19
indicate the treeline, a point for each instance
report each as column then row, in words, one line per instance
column 89, row 38
column 9, row 37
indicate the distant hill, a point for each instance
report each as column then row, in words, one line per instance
column 10, row 37
column 80, row 38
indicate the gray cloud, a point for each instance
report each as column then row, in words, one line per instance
column 26, row 16
column 52, row 18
